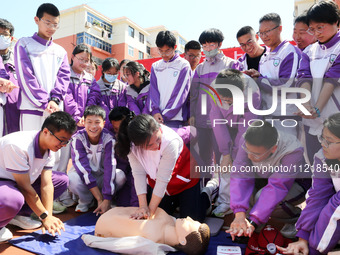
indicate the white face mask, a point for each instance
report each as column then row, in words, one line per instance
column 5, row 42
column 110, row 77
column 212, row 53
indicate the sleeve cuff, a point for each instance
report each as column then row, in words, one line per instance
column 240, row 209
column 108, row 197
column 303, row 234
column 155, row 111
column 91, row 185
column 252, row 217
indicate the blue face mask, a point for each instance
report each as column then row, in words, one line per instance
column 110, row 77
column 212, row 53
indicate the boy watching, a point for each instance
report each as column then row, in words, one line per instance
column 43, row 70
column 277, row 192
column 192, row 53
column 94, row 164
column 169, row 84
column 27, row 182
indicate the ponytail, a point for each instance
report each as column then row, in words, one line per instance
column 123, row 144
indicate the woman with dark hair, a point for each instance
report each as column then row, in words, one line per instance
column 318, row 226
column 319, row 70
column 137, row 92
column 158, row 154
column 113, row 90
column 121, row 70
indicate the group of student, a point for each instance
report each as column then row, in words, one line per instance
column 138, row 138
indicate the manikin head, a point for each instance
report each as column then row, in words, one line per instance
column 261, row 141
column 193, row 236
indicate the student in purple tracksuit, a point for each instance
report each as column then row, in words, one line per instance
column 318, row 226
column 319, row 71
column 228, row 131
column 83, row 89
column 205, row 73
column 43, row 70
column 278, row 67
column 301, row 37
column 94, row 163
column 12, row 113
column 137, row 92
column 113, row 90
column 169, row 84
column 267, row 165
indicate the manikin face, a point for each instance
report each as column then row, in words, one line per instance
column 155, row 141
column 301, row 37
column 270, row 34
column 249, row 44
column 330, row 144
column 184, row 227
column 47, row 25
column 56, row 140
column 323, row 32
column 80, row 62
column 94, row 126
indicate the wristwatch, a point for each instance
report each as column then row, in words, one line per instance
column 55, row 99
column 252, row 223
column 43, row 215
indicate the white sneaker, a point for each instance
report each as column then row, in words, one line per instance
column 5, row 234
column 288, row 230
column 84, row 207
column 222, row 210
column 25, row 222
column 68, row 202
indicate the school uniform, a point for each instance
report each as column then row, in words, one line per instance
column 12, row 113
column 167, row 171
column 246, row 62
column 278, row 192
column 20, row 154
column 94, row 166
column 136, row 98
column 3, row 99
column 319, row 220
column 278, row 69
column 43, row 72
column 319, row 64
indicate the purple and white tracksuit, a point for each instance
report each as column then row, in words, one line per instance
column 43, row 72
column 94, row 165
column 136, row 101
column 278, row 69
column 3, row 99
column 276, row 194
column 12, row 113
column 113, row 95
column 319, row 220
column 20, row 154
column 82, row 91
column 320, row 63
column 205, row 74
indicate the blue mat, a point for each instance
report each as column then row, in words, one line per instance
column 70, row 242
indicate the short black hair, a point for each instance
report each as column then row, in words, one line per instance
column 324, row 12
column 5, row 24
column 333, row 124
column 261, row 133
column 119, row 113
column 231, row 77
column 244, row 31
column 49, row 8
column 110, row 62
column 166, row 38
column 301, row 18
column 192, row 45
column 274, row 17
column 60, row 121
column 211, row 35
column 81, row 48
column 95, row 110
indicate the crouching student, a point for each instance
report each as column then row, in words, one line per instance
column 27, row 182
column 267, row 165
column 158, row 157
column 318, row 226
column 94, row 164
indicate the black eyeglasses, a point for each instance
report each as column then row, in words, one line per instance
column 61, row 141
column 265, row 33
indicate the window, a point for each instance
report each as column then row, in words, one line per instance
column 181, row 41
column 131, row 32
column 141, row 37
column 93, row 41
column 98, row 21
column 148, row 50
column 131, row 51
column 140, row 55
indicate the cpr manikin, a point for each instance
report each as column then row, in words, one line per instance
column 185, row 235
